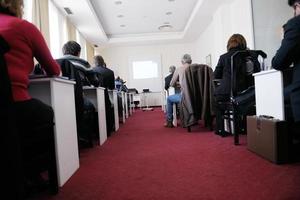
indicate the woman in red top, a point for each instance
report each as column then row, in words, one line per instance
column 26, row 42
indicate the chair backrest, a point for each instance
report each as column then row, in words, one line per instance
column 70, row 71
column 243, row 65
column 5, row 85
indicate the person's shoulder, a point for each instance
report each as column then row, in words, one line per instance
column 26, row 25
column 295, row 21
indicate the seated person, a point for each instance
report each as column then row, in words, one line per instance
column 87, row 119
column 108, row 82
column 25, row 42
column 223, row 72
column 169, row 77
column 71, row 51
column 118, row 83
column 186, row 61
column 288, row 54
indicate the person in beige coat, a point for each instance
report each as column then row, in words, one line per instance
column 186, row 61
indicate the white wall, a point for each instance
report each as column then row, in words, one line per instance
column 233, row 17
column 269, row 16
column 117, row 58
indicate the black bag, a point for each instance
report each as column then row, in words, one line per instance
column 245, row 100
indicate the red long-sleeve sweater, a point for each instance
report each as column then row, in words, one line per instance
column 25, row 42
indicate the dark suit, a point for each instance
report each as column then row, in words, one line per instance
column 287, row 54
column 107, row 75
column 107, row 80
column 223, row 72
column 168, row 80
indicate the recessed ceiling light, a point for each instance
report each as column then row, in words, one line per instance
column 171, row 0
column 122, row 25
column 169, row 13
column 166, row 22
column 165, row 27
column 120, row 16
column 68, row 10
column 118, row 2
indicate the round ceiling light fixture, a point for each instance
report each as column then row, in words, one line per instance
column 169, row 13
column 120, row 16
column 166, row 27
column 171, row 0
column 122, row 25
column 118, row 2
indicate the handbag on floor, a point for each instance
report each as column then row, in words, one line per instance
column 269, row 138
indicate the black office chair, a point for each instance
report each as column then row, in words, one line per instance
column 242, row 92
column 86, row 119
column 19, row 154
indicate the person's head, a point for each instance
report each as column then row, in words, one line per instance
column 99, row 61
column 71, row 48
column 172, row 69
column 236, row 41
column 12, row 7
column 296, row 6
column 186, row 59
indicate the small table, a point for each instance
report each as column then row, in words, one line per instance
column 59, row 94
column 96, row 95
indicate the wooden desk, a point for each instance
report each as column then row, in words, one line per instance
column 269, row 94
column 59, row 94
column 96, row 95
column 113, row 96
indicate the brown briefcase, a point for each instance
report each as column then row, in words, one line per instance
column 268, row 138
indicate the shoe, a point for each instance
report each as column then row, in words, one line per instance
column 169, row 124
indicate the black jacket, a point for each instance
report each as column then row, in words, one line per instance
column 168, row 80
column 107, row 77
column 223, row 72
column 287, row 54
column 245, row 64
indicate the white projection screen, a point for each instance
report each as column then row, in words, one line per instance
column 145, row 72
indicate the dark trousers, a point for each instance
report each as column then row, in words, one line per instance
column 219, row 111
column 109, row 112
column 34, row 121
column 29, row 140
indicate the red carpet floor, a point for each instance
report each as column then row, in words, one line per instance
column 145, row 161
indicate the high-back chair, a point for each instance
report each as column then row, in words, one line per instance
column 85, row 119
column 197, row 96
column 242, row 91
column 20, row 155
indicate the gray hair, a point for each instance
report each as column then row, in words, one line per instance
column 172, row 69
column 186, row 59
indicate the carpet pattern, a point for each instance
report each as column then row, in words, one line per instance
column 145, row 161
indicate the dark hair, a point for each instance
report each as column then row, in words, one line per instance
column 12, row 7
column 71, row 48
column 99, row 61
column 292, row 2
column 236, row 41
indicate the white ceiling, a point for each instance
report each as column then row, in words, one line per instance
column 142, row 16
column 99, row 23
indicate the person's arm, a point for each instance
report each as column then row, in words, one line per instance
column 218, row 73
column 40, row 49
column 175, row 78
column 111, row 85
column 167, row 81
column 291, row 41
